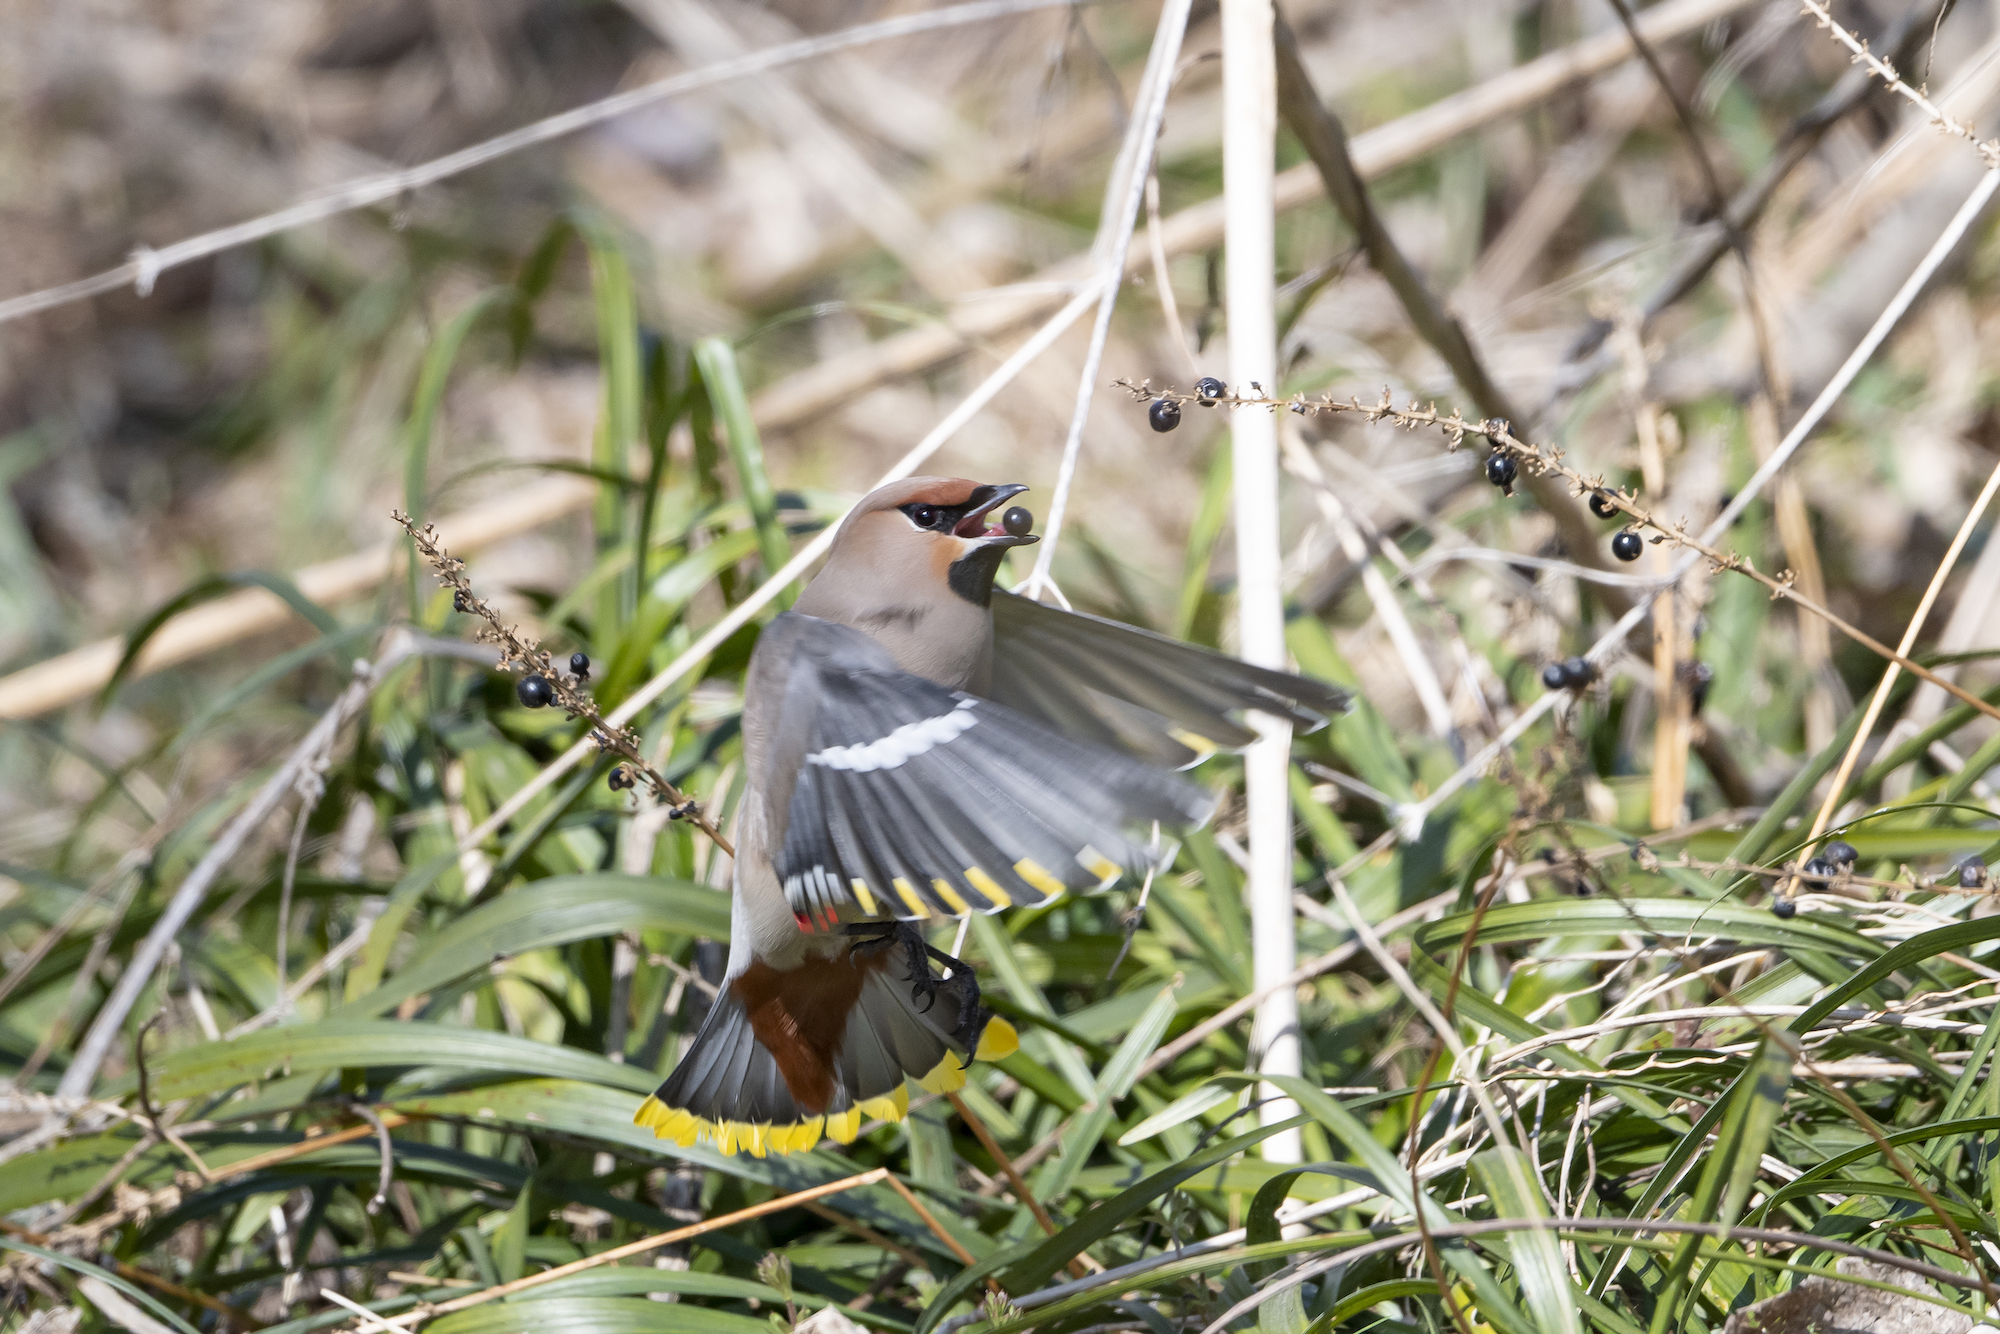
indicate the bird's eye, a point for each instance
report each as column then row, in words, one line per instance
column 924, row 516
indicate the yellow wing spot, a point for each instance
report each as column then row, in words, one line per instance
column 1200, row 745
column 862, row 896
column 908, row 893
column 1032, row 872
column 998, row 1041
column 988, row 886
column 947, row 1076
column 952, row 898
column 1099, row 865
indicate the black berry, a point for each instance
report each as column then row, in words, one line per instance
column 1578, row 673
column 1784, row 908
column 1207, row 389
column 580, row 663
column 1627, row 545
column 1601, row 506
column 535, row 692
column 1017, row 521
column 1971, row 873
column 1840, row 853
column 1554, row 677
column 1165, row 414
column 458, row 602
column 621, row 778
column 1501, row 470
column 1815, row 872
column 1494, row 428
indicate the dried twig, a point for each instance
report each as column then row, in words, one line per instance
column 146, row 264
column 1988, row 149
column 427, row 1310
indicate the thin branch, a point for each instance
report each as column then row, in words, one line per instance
column 147, row 264
column 951, row 1243
column 1114, row 242
column 1988, row 149
column 640, row 1247
column 1006, row 1164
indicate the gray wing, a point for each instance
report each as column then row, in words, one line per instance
column 908, row 799
column 1117, row 685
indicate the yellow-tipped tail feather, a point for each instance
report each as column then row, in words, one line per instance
column 998, row 1041
column 684, row 1128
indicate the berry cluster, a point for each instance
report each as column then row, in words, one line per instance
column 1569, row 674
column 1165, row 412
column 1627, row 545
column 1834, row 860
column 542, row 685
column 537, row 691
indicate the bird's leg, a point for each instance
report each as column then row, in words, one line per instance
column 874, row 937
column 971, row 1014
column 870, row 937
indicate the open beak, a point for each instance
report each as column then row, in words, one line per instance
column 984, row 501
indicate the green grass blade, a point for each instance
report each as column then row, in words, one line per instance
column 419, row 426
column 1516, row 1192
column 723, row 380
column 1054, row 1181
column 1202, row 536
column 556, row 910
column 204, row 590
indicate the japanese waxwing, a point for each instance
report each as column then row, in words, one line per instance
column 920, row 744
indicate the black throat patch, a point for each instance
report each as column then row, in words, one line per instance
column 971, row 576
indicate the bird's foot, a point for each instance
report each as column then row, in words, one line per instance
column 972, row 1015
column 870, row 937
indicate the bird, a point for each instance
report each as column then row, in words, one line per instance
column 920, row 744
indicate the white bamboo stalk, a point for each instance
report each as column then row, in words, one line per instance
column 1249, row 127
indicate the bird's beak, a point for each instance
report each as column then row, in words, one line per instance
column 984, row 501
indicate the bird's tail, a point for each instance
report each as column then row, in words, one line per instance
column 787, row 1056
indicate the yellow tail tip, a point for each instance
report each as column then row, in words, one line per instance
column 948, row 1076
column 998, row 1041
column 730, row 1137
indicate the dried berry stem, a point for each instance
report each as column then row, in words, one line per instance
column 520, row 653
column 1536, row 460
column 1989, row 149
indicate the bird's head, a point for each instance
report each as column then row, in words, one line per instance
column 936, row 528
